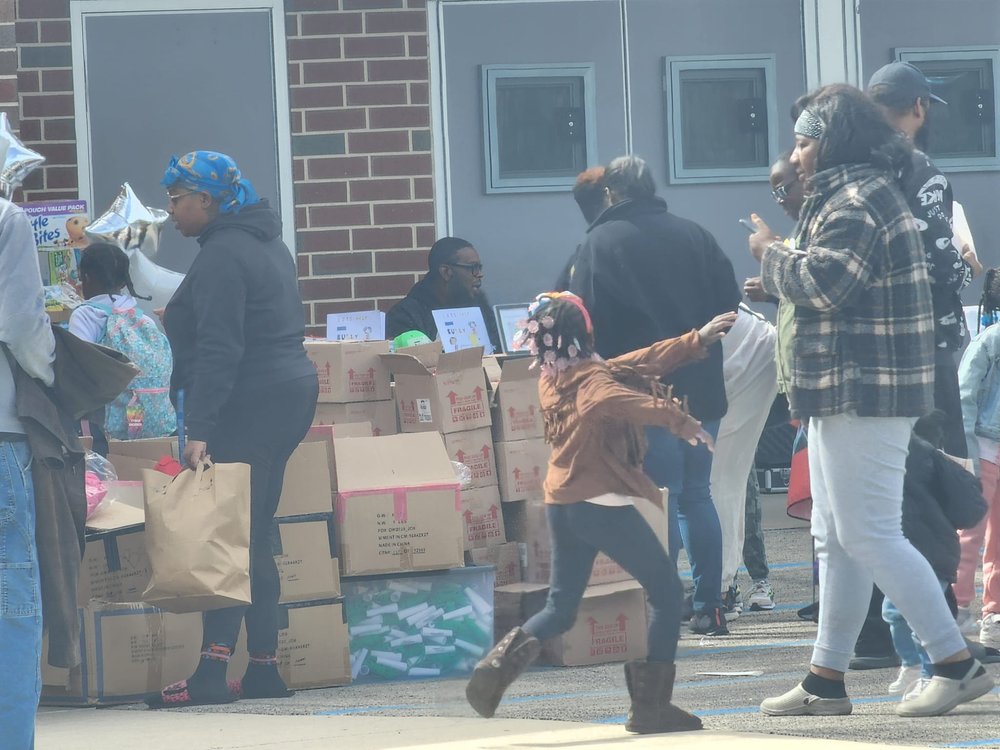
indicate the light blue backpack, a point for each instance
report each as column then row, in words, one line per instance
column 143, row 410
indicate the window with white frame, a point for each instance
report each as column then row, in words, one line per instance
column 963, row 134
column 538, row 126
column 721, row 117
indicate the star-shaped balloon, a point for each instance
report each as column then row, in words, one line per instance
column 18, row 162
column 129, row 224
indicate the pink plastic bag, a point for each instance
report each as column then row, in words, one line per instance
column 96, row 476
column 97, row 490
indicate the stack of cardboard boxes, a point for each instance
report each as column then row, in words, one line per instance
column 353, row 384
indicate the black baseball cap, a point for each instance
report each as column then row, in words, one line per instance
column 905, row 81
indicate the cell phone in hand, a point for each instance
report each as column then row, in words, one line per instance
column 748, row 226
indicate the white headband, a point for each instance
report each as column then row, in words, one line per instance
column 809, row 125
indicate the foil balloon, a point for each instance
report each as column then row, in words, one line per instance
column 129, row 224
column 151, row 280
column 18, row 162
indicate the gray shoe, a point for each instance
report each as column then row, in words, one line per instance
column 500, row 667
column 799, row 702
column 942, row 694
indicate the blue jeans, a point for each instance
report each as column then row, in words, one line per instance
column 578, row 532
column 911, row 652
column 20, row 600
column 686, row 471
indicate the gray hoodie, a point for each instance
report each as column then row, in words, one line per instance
column 24, row 326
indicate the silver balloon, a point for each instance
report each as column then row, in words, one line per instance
column 18, row 160
column 129, row 224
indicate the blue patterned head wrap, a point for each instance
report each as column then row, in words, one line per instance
column 215, row 174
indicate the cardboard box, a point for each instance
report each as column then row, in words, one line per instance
column 313, row 645
column 491, row 366
column 426, row 354
column 130, row 468
column 151, row 449
column 115, row 566
column 419, row 625
column 305, row 549
column 610, row 627
column 521, row 469
column 474, row 448
column 307, row 487
column 129, row 651
column 451, row 398
column 349, row 370
column 397, row 505
column 505, row 559
column 517, row 412
column 482, row 517
column 380, row 414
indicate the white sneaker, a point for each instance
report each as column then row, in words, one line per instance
column 798, row 702
column 941, row 694
column 916, row 688
column 989, row 632
column 906, row 679
column 761, row 597
column 967, row 623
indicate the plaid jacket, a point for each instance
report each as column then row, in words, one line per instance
column 863, row 333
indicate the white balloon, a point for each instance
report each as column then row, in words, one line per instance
column 151, row 280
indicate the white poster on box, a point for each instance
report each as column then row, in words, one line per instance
column 462, row 328
column 367, row 325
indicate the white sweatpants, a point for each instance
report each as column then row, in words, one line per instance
column 856, row 470
column 751, row 385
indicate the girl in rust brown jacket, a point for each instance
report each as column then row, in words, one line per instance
column 594, row 414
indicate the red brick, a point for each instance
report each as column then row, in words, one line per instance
column 341, row 263
column 57, row 153
column 323, row 24
column 294, row 74
column 322, row 309
column 43, row 9
column 399, row 117
column 426, row 236
column 47, row 105
column 321, row 192
column 374, row 46
column 54, row 195
column 29, row 81
column 317, row 331
column 404, row 213
column 377, row 94
column 404, row 20
column 34, row 181
column 312, row 5
column 314, row 48
column 57, row 80
column 326, row 288
column 298, row 170
column 417, row 45
column 333, row 72
column 328, row 167
column 397, row 70
column 372, row 4
column 339, row 216
column 301, row 217
column 385, row 305
column 382, row 238
column 401, row 260
column 54, row 31
column 8, row 62
column 325, row 120
column 302, row 264
column 30, row 130
column 423, row 188
column 61, row 177
column 383, row 286
column 295, row 119
column 8, row 90
column 291, row 24
column 378, row 142
column 26, row 32
column 419, row 93
column 60, row 130
column 380, row 190
column 418, row 165
column 323, row 241
column 317, row 96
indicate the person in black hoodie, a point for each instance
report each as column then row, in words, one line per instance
column 647, row 275
column 236, row 328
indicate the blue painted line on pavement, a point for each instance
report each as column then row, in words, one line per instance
column 688, row 652
column 973, row 743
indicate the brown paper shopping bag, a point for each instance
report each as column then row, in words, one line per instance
column 198, row 537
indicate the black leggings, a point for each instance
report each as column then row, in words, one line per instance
column 262, row 429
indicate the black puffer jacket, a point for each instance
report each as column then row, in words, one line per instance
column 939, row 496
column 646, row 275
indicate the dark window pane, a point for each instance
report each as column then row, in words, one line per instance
column 723, row 118
column 963, row 127
column 540, row 127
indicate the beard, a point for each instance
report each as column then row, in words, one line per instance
column 461, row 296
column 922, row 138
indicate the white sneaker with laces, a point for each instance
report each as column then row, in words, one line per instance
column 941, row 694
column 916, row 688
column 906, row 679
column 761, row 597
column 966, row 622
column 989, row 631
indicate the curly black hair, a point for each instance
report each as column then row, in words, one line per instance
column 108, row 265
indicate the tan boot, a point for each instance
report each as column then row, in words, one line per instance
column 500, row 667
column 651, row 686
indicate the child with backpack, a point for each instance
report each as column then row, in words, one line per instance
column 111, row 317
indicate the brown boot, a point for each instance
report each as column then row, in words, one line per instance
column 651, row 686
column 499, row 668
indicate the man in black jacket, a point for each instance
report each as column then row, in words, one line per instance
column 647, row 275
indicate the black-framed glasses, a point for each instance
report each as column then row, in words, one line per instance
column 780, row 193
column 476, row 269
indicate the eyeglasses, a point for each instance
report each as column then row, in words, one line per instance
column 780, row 193
column 476, row 269
column 177, row 196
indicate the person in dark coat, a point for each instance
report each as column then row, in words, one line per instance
column 647, row 275
column 454, row 279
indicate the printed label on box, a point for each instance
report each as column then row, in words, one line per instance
column 424, row 414
column 608, row 638
column 470, row 407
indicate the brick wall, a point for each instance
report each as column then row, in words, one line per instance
column 360, row 120
column 8, row 62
